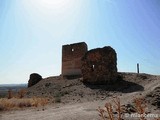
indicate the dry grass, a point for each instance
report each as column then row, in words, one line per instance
column 157, row 119
column 118, row 107
column 18, row 101
column 10, row 94
column 21, row 93
column 140, row 107
column 13, row 103
column 107, row 112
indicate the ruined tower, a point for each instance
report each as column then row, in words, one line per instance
column 99, row 66
column 71, row 58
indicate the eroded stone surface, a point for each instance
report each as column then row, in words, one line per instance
column 71, row 58
column 34, row 79
column 99, row 66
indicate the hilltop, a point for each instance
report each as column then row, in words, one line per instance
column 83, row 99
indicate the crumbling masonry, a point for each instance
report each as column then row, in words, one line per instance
column 97, row 66
column 71, row 58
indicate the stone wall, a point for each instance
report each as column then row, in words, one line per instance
column 99, row 66
column 71, row 58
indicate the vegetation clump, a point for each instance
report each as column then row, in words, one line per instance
column 18, row 101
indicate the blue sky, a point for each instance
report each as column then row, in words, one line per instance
column 32, row 33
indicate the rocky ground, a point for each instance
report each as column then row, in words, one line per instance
column 73, row 100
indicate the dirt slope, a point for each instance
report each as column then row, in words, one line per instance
column 79, row 101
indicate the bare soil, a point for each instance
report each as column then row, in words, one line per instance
column 73, row 100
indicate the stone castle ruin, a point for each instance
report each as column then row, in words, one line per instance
column 97, row 66
column 71, row 59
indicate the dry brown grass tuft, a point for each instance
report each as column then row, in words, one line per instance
column 108, row 112
column 13, row 103
column 2, row 108
column 10, row 94
column 157, row 119
column 101, row 113
column 140, row 107
column 118, row 107
column 21, row 93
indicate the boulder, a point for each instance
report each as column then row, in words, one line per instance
column 99, row 66
column 34, row 79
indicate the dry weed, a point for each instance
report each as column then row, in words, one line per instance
column 21, row 93
column 109, row 110
column 7, row 104
column 157, row 119
column 101, row 113
column 118, row 107
column 10, row 94
column 140, row 107
column 2, row 108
